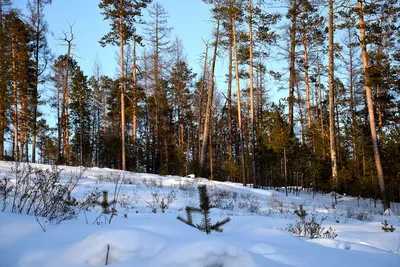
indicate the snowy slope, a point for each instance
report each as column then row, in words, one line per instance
column 138, row 237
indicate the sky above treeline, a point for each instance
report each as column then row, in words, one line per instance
column 190, row 20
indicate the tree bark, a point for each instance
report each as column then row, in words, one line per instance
column 122, row 85
column 307, row 81
column 292, row 70
column 202, row 89
column 379, row 170
column 134, row 108
column 239, row 102
column 331, row 78
column 207, row 121
column 15, row 100
column 252, row 122
column 65, row 113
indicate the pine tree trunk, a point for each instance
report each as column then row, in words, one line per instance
column 3, row 86
column 229, row 92
column 239, row 102
column 23, row 153
column 379, row 170
column 307, row 81
column 252, row 122
column 207, row 121
column 200, row 105
column 65, row 110
column 354, row 123
column 331, row 78
column 292, row 70
column 134, row 108
column 36, row 83
column 302, row 123
column 122, row 85
column 15, row 87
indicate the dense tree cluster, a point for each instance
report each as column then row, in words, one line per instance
column 337, row 129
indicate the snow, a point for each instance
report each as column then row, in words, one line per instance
column 255, row 237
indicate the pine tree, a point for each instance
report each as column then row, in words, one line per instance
column 81, row 116
column 204, row 209
column 123, row 16
column 41, row 57
column 4, row 72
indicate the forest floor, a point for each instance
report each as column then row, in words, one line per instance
column 140, row 234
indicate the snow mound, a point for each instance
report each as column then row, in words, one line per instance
column 121, row 245
column 210, row 253
column 364, row 247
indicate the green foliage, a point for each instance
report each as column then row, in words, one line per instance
column 386, row 228
column 204, row 210
column 105, row 204
column 301, row 213
column 131, row 12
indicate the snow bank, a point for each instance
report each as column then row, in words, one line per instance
column 212, row 253
column 122, row 244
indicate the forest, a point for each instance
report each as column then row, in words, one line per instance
column 337, row 128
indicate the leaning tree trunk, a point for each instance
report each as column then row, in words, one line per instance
column 379, row 170
column 200, row 107
column 207, row 121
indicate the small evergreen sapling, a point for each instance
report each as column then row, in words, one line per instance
column 204, row 210
column 309, row 228
column 386, row 228
column 105, row 204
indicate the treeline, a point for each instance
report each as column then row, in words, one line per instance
column 337, row 129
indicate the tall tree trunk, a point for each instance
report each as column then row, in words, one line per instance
column 302, row 123
column 23, row 152
column 307, row 81
column 134, row 108
column 239, row 102
column 331, row 99
column 379, row 170
column 252, row 122
column 354, row 124
column 15, row 87
column 229, row 92
column 200, row 107
column 207, row 121
column 292, row 70
column 122, row 85
column 65, row 116
column 36, row 82
column 3, row 86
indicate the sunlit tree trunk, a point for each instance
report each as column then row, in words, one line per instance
column 252, row 122
column 207, row 121
column 15, row 100
column 292, row 70
column 331, row 77
column 200, row 105
column 239, row 101
column 134, row 108
column 379, row 170
column 122, row 84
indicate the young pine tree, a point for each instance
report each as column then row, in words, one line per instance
column 204, row 210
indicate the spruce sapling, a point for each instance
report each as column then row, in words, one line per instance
column 105, row 203
column 204, row 210
column 386, row 228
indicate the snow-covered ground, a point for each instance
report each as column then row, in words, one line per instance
column 142, row 235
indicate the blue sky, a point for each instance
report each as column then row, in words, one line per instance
column 189, row 19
